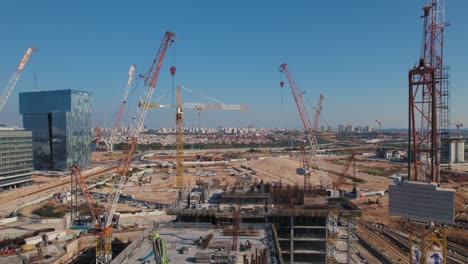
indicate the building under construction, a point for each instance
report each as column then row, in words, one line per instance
column 307, row 227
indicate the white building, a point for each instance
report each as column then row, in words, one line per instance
column 457, row 150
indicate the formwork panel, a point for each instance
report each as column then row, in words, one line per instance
column 422, row 202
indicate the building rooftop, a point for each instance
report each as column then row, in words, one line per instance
column 53, row 101
column 183, row 245
column 9, row 128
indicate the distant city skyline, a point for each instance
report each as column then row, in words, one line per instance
column 355, row 53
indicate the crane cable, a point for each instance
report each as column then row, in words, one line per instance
column 202, row 95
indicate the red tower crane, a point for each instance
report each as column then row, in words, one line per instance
column 325, row 181
column 151, row 78
column 428, row 119
column 76, row 175
column 428, row 89
column 16, row 75
column 103, row 242
column 337, row 184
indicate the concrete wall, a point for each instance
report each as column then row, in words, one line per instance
column 422, row 202
column 135, row 243
column 13, row 259
column 157, row 212
column 73, row 248
column 51, row 221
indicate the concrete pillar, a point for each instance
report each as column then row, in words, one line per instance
column 292, row 240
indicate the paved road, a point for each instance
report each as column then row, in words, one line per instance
column 8, row 205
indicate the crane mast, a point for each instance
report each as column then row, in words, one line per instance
column 325, row 182
column 16, row 75
column 179, row 141
column 103, row 241
column 121, row 107
column 179, row 126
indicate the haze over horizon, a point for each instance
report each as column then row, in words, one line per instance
column 356, row 53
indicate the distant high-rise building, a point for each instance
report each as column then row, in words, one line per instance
column 60, row 122
column 348, row 128
column 368, row 129
column 340, row 128
column 16, row 160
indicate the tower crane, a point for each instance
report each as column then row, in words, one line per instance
column 379, row 122
column 337, row 184
column 99, row 137
column 179, row 127
column 318, row 110
column 76, row 174
column 308, row 129
column 179, row 144
column 199, row 106
column 16, row 75
column 121, row 107
column 103, row 241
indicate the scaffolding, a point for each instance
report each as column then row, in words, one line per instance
column 444, row 117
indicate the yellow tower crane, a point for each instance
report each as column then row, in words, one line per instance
column 180, row 179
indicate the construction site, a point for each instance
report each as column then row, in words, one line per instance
column 341, row 201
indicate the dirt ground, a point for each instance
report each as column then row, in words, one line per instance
column 284, row 169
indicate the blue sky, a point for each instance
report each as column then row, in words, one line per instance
column 355, row 52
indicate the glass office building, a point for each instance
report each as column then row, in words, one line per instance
column 16, row 160
column 60, row 122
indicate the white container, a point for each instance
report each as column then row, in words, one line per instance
column 33, row 240
column 56, row 235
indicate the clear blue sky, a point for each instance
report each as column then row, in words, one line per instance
column 355, row 52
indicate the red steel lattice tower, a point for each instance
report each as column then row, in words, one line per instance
column 428, row 99
column 308, row 129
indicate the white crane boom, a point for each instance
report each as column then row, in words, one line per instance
column 16, row 75
column 121, row 107
column 115, row 201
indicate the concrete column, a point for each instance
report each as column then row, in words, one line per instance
column 326, row 240
column 292, row 239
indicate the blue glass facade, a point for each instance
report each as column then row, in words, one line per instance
column 60, row 122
